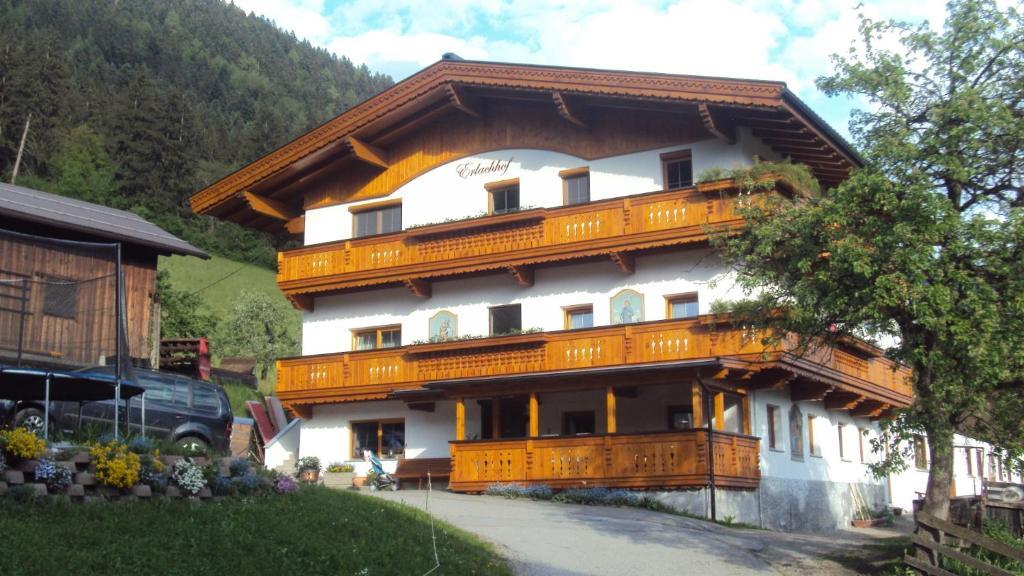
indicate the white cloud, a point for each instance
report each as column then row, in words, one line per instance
column 788, row 40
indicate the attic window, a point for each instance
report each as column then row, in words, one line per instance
column 504, row 196
column 677, row 169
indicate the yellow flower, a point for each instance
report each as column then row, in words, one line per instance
column 115, row 465
column 21, row 443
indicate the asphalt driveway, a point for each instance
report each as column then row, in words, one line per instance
column 553, row 539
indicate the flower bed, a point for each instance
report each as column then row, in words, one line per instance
column 114, row 470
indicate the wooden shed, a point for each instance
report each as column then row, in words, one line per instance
column 57, row 299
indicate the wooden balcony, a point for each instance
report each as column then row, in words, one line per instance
column 613, row 228
column 375, row 374
column 674, row 459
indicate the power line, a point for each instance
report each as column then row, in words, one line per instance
column 215, row 282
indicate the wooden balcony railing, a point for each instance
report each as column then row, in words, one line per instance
column 375, row 373
column 653, row 460
column 519, row 239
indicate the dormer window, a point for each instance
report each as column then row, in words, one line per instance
column 677, row 169
column 377, row 218
column 504, row 196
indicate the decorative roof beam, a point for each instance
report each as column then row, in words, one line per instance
column 419, row 288
column 841, row 400
column 269, row 207
column 302, row 301
column 304, row 411
column 571, row 114
column 522, row 274
column 803, row 389
column 462, row 102
column 367, row 153
column 771, row 379
column 869, row 408
column 724, row 133
column 296, row 225
column 625, row 261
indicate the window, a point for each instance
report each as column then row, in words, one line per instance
column 504, row 196
column 506, row 319
column 680, row 417
column 579, row 317
column 840, row 431
column 774, row 428
column 374, row 338
column 164, row 390
column 378, row 220
column 575, row 423
column 682, row 306
column 205, row 399
column 920, row 453
column 386, row 438
column 813, row 442
column 575, row 185
column 970, row 461
column 60, row 298
column 861, row 437
column 677, row 169
column 980, row 453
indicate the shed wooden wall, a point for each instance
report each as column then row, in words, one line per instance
column 89, row 336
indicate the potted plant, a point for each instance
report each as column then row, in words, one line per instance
column 338, row 475
column 309, row 469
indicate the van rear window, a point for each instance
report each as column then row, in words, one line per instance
column 205, row 400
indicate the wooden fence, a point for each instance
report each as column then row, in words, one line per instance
column 936, row 539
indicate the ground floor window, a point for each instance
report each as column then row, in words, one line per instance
column 920, row 453
column 386, row 438
column 774, row 427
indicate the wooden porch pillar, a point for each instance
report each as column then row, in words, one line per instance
column 698, row 405
column 460, row 419
column 609, row 393
column 495, row 418
column 534, row 416
column 719, row 410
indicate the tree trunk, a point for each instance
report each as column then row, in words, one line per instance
column 940, row 471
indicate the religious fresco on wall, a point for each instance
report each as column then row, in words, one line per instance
column 443, row 326
column 627, row 307
column 796, row 433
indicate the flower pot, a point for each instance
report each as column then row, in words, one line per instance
column 309, row 476
column 338, row 479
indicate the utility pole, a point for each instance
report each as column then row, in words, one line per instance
column 21, row 148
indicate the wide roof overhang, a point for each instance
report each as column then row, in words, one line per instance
column 265, row 193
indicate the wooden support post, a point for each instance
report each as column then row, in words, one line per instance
column 460, row 419
column 534, row 415
column 698, row 405
column 609, row 393
column 495, row 418
column 719, row 410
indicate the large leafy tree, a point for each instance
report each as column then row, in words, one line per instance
column 922, row 248
column 258, row 327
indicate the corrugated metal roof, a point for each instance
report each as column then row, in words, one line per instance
column 31, row 205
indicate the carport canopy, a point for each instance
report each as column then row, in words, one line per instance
column 30, row 384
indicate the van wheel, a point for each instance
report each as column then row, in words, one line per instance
column 32, row 419
column 193, row 444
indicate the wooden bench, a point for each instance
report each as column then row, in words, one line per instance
column 417, row 468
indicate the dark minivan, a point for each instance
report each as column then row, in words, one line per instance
column 187, row 411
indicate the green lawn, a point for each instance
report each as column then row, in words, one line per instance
column 317, row 531
column 219, row 281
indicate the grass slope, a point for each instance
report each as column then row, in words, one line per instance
column 317, row 531
column 217, row 282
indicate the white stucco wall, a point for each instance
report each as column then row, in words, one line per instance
column 441, row 193
column 329, row 327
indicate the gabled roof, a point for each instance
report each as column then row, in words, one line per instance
column 26, row 204
column 777, row 115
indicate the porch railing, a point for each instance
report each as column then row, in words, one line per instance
column 651, row 460
column 523, row 238
column 361, row 375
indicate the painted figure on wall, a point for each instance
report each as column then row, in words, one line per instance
column 796, row 433
column 443, row 326
column 627, row 307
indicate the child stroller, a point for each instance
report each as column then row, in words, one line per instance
column 380, row 479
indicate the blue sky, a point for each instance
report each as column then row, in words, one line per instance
column 788, row 40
